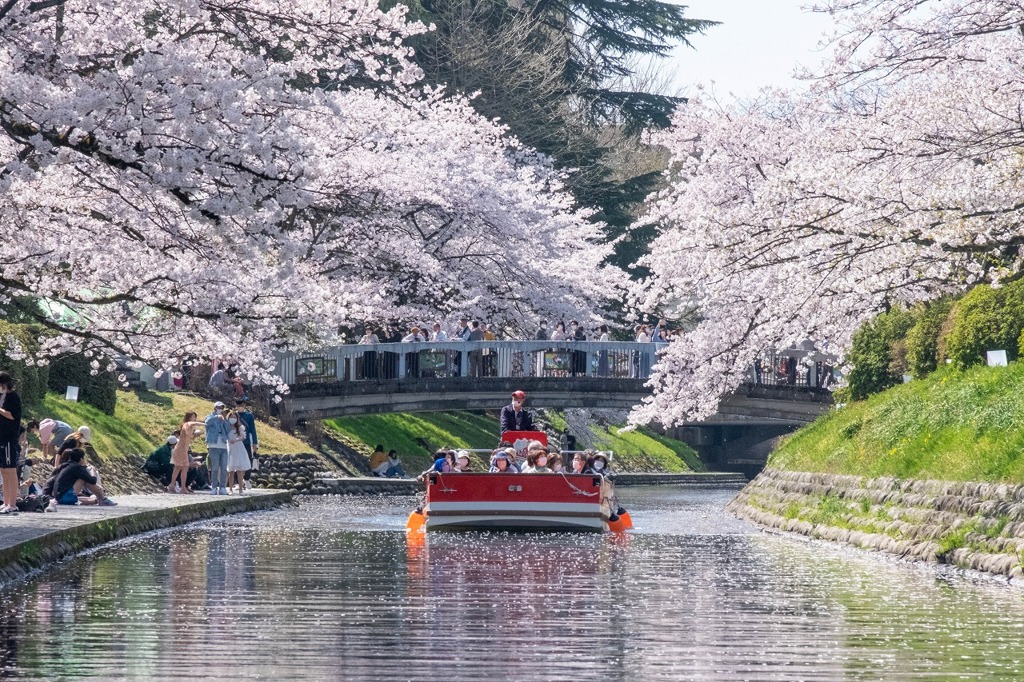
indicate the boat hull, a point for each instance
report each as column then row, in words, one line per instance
column 517, row 501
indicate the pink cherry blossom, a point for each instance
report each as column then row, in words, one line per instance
column 896, row 178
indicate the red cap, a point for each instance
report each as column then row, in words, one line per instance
column 519, row 394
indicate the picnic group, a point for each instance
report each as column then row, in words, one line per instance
column 231, row 440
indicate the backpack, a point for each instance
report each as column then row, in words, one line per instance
column 33, row 503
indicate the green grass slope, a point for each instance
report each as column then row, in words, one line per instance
column 953, row 426
column 143, row 420
column 644, row 450
column 641, row 450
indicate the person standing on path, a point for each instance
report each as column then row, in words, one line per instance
column 252, row 442
column 10, row 451
column 217, row 445
column 238, row 456
column 179, row 454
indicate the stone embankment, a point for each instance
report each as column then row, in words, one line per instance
column 29, row 541
column 978, row 526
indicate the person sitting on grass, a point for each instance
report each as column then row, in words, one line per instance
column 73, row 477
column 379, row 462
column 387, row 466
column 158, row 464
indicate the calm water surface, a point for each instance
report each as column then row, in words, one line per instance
column 332, row 590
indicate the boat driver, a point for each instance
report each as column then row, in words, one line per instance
column 514, row 417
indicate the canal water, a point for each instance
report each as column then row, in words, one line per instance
column 331, row 590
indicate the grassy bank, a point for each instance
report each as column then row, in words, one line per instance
column 143, row 420
column 641, row 450
column 955, row 426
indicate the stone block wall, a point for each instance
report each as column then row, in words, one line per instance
column 978, row 526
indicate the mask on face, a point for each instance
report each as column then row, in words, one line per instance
column 219, row 410
column 542, row 461
column 232, row 421
column 598, row 465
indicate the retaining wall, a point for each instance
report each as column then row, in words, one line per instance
column 973, row 525
column 34, row 540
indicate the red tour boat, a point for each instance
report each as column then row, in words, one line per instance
column 518, row 501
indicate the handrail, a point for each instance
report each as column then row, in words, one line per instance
column 519, row 359
column 448, row 359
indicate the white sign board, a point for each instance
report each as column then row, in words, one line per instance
column 72, row 393
column 997, row 358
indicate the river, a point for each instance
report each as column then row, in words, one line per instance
column 331, row 589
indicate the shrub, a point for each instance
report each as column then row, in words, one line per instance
column 31, row 380
column 871, row 353
column 986, row 318
column 99, row 390
column 922, row 341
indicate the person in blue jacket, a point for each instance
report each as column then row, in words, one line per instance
column 217, row 444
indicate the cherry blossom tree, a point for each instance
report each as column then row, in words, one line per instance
column 896, row 177
column 223, row 177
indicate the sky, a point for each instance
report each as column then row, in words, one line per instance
column 758, row 43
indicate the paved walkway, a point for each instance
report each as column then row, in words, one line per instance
column 30, row 540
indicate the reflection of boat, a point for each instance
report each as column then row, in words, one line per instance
column 524, row 501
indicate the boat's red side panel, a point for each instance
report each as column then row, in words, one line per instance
column 513, row 488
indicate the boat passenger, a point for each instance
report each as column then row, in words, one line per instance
column 461, row 462
column 513, row 460
column 579, row 463
column 537, row 463
column 501, row 464
column 598, row 464
column 442, row 462
column 440, row 465
column 555, row 462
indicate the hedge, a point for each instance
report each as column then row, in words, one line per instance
column 875, row 367
column 985, row 319
column 30, row 380
column 98, row 390
column 922, row 341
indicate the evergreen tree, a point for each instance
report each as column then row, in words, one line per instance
column 561, row 75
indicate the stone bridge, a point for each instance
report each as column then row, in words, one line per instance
column 481, row 375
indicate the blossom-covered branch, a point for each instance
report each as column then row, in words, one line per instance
column 200, row 177
column 896, row 178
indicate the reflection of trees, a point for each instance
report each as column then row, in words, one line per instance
column 366, row 605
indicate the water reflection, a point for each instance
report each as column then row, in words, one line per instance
column 333, row 590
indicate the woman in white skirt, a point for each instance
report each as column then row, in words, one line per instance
column 238, row 458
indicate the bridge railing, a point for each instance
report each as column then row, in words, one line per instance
column 449, row 359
